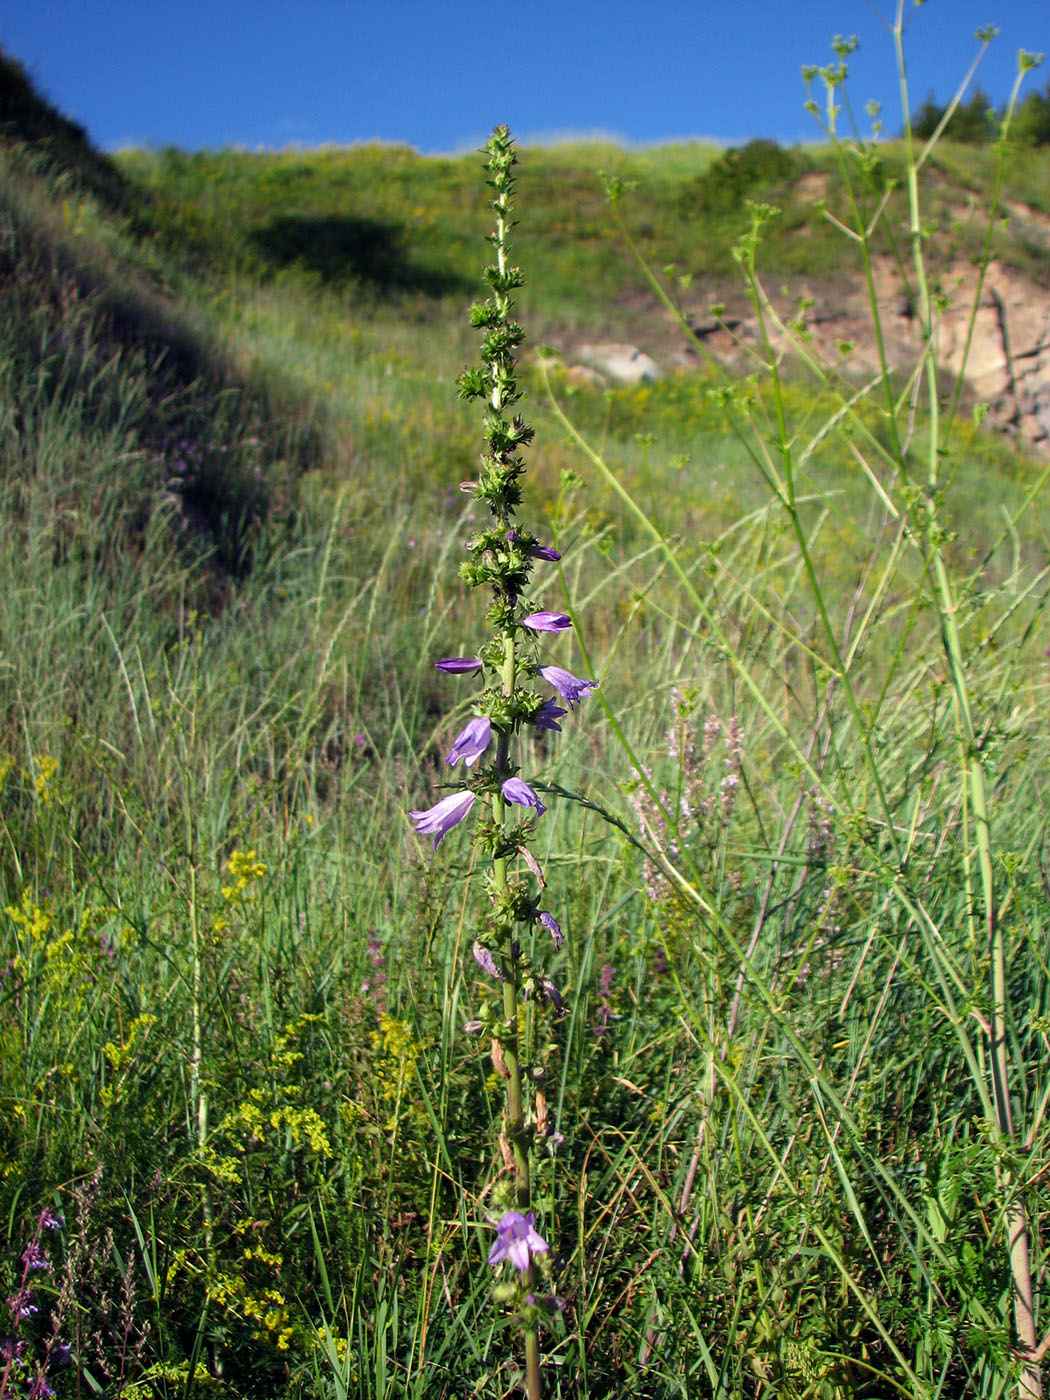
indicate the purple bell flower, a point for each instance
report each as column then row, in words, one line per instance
column 484, row 959
column 572, row 689
column 458, row 665
column 537, row 551
column 550, row 923
column 546, row 622
column 547, row 991
column 22, row 1304
column 443, row 816
column 547, row 716
column 514, row 790
column 517, row 1240
column 472, row 742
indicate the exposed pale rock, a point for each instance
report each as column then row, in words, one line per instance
column 624, row 363
column 1005, row 357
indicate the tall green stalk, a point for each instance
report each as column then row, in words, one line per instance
column 501, row 558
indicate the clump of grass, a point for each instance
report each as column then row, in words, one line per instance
column 851, row 935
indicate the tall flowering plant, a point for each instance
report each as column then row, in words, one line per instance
column 492, row 789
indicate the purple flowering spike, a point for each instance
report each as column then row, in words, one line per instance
column 484, row 959
column 550, row 923
column 547, row 716
column 33, row 1257
column 514, row 790
column 458, row 665
column 443, row 816
column 546, row 622
column 572, row 689
column 472, row 742
column 517, row 1240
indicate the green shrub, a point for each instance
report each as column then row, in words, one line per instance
column 761, row 165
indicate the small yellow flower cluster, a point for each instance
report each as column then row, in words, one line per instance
column 62, row 966
column 46, row 768
column 278, row 1110
column 220, row 1168
column 265, row 1307
column 57, row 949
column 338, row 1349
column 283, row 1056
column 260, row 1116
column 6, row 764
column 398, row 1044
column 397, row 1054
column 169, row 1375
column 121, row 1057
column 16, row 1118
column 176, row 1265
column 246, row 870
column 340, row 1345
column 31, row 918
column 95, row 915
column 264, row 1256
column 351, row 1114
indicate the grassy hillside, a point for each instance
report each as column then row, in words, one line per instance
column 233, row 978
column 387, row 219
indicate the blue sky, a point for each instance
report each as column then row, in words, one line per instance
column 438, row 74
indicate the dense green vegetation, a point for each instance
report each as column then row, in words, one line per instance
column 385, row 219
column 974, row 121
column 233, row 980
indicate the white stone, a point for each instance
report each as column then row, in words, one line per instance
column 624, row 363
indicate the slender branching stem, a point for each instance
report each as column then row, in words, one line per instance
column 1011, row 1191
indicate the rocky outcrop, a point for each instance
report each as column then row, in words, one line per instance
column 1003, row 350
column 1008, row 365
column 623, row 364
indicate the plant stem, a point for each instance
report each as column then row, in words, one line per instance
column 1011, row 1197
column 511, row 1043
